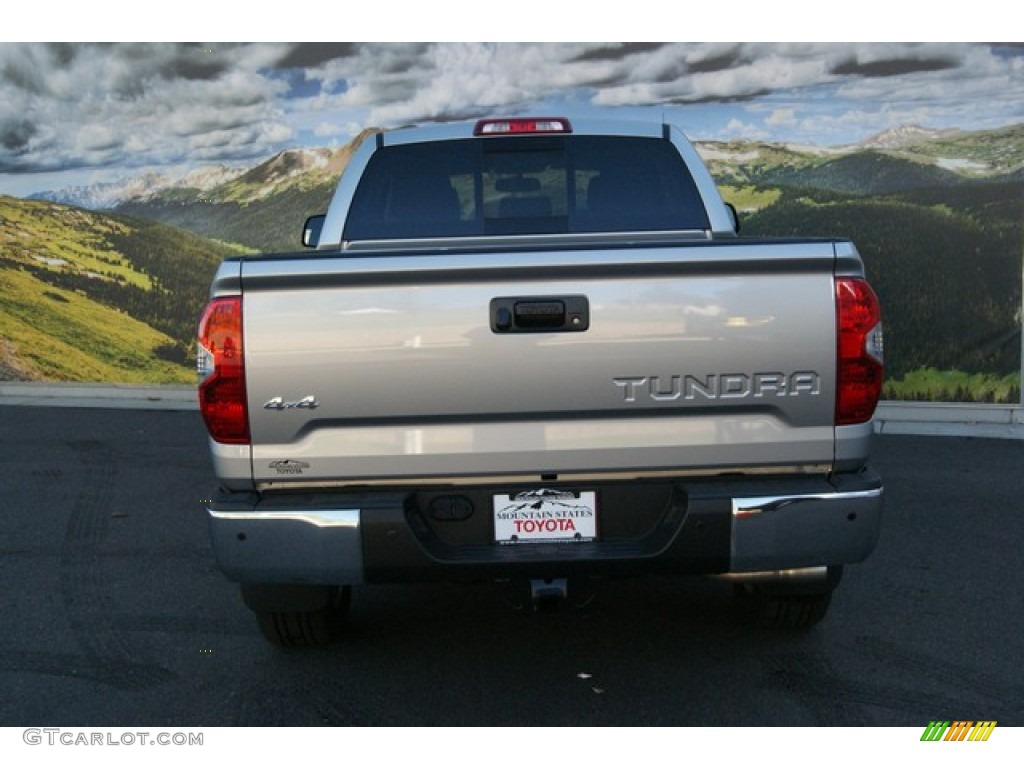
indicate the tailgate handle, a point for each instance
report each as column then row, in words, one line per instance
column 539, row 314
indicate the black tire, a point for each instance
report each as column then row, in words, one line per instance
column 785, row 611
column 305, row 625
column 769, row 606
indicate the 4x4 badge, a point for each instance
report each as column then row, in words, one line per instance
column 280, row 404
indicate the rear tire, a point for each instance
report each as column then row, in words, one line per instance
column 785, row 611
column 297, row 616
column 785, row 606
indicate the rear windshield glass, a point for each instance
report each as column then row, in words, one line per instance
column 524, row 185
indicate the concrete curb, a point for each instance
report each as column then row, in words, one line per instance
column 950, row 419
column 892, row 418
column 139, row 397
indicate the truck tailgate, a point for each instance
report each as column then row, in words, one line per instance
column 696, row 357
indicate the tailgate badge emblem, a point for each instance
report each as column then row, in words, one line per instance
column 280, row 404
column 289, row 467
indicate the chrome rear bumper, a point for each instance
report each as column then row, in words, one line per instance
column 288, row 546
column 354, row 538
column 804, row 530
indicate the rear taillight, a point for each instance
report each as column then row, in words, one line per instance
column 860, row 369
column 220, row 363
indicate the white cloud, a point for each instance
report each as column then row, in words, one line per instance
column 88, row 105
column 737, row 129
column 328, row 129
column 131, row 105
column 781, row 118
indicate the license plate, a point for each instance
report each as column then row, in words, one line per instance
column 545, row 515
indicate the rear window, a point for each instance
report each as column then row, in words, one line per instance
column 524, row 185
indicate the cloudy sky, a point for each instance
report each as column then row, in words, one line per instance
column 77, row 113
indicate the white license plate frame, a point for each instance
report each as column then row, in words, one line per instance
column 544, row 516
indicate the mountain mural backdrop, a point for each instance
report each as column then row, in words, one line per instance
column 113, row 294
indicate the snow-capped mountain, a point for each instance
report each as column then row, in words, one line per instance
column 290, row 168
column 905, row 136
column 105, row 195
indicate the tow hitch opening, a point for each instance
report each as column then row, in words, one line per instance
column 548, row 594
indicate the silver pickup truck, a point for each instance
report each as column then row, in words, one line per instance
column 535, row 351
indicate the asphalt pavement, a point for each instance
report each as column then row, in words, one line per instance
column 114, row 613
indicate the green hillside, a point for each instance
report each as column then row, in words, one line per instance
column 951, row 158
column 264, row 208
column 939, row 220
column 977, row 153
column 740, row 163
column 270, row 224
column 86, row 296
column 862, row 173
column 947, row 269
